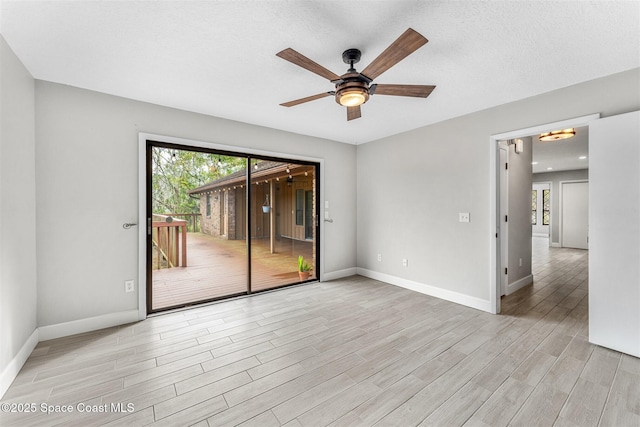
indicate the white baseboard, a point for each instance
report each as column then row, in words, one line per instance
column 50, row 332
column 433, row 291
column 519, row 284
column 556, row 245
column 87, row 325
column 340, row 274
column 11, row 371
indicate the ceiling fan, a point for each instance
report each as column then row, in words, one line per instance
column 354, row 88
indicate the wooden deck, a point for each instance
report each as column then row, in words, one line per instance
column 217, row 268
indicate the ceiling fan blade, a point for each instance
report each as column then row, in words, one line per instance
column 404, row 46
column 307, row 99
column 306, row 63
column 418, row 91
column 353, row 113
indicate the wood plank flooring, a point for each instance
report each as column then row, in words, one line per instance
column 352, row 352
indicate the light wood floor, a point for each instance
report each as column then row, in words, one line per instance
column 353, row 352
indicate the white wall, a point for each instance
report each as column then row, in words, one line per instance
column 412, row 186
column 614, row 233
column 17, row 216
column 555, row 178
column 87, row 163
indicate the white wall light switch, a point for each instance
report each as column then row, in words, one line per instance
column 464, row 217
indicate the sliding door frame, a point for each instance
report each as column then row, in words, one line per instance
column 144, row 184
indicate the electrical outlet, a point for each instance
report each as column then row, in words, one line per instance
column 129, row 285
column 379, row 257
column 405, row 262
column 463, row 217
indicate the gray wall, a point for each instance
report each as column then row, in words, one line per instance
column 17, row 212
column 554, row 178
column 87, row 180
column 412, row 186
column 520, row 212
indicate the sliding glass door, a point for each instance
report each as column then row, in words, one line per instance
column 283, row 222
column 223, row 224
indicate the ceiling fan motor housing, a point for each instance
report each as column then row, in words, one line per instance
column 352, row 87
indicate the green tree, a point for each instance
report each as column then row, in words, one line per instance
column 176, row 172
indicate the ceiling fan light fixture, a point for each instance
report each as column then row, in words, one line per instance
column 354, row 88
column 352, row 96
column 557, row 134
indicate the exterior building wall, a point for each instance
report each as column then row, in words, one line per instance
column 224, row 215
column 210, row 224
column 228, row 210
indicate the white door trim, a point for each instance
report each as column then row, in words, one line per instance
column 494, row 283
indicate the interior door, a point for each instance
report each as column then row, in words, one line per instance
column 614, row 270
column 503, row 230
column 575, row 215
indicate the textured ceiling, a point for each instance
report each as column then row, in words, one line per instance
column 218, row 57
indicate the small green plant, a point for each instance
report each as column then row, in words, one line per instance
column 303, row 265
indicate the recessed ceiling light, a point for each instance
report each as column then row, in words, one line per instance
column 582, row 157
column 534, row 163
column 549, row 168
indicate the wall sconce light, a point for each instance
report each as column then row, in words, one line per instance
column 519, row 146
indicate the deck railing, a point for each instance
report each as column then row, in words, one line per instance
column 193, row 220
column 169, row 237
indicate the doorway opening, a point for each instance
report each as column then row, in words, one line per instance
column 500, row 257
column 222, row 223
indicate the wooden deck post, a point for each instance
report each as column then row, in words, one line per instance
column 183, row 228
column 272, row 215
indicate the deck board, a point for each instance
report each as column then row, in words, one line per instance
column 217, row 268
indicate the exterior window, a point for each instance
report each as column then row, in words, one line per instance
column 208, row 205
column 546, row 206
column 534, row 207
column 299, row 207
